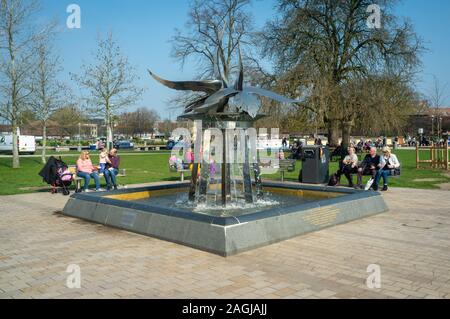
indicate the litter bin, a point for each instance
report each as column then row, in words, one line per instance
column 315, row 165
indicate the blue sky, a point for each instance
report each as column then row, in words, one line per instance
column 143, row 29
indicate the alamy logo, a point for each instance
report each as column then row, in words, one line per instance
column 374, row 279
column 374, row 19
column 240, row 146
column 74, row 19
column 74, row 279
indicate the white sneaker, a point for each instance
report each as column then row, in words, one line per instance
column 100, row 190
column 87, row 190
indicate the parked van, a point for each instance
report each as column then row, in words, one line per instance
column 27, row 144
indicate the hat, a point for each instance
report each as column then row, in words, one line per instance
column 386, row 149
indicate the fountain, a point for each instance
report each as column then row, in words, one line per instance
column 226, row 208
column 230, row 111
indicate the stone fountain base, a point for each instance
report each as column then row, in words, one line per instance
column 230, row 235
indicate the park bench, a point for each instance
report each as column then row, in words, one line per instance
column 146, row 148
column 286, row 165
column 77, row 180
column 181, row 171
column 62, row 149
column 392, row 176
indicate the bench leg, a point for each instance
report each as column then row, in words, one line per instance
column 182, row 176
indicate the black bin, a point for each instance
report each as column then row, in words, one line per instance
column 315, row 165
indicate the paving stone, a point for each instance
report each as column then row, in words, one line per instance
column 37, row 245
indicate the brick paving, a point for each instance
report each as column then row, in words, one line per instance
column 411, row 244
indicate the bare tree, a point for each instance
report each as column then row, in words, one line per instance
column 214, row 33
column 17, row 39
column 66, row 119
column 324, row 44
column 437, row 95
column 49, row 94
column 436, row 98
column 109, row 82
column 215, row 30
column 138, row 122
column 380, row 104
column 167, row 127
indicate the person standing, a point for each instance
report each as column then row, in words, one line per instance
column 318, row 141
column 86, row 171
column 112, row 170
column 284, row 143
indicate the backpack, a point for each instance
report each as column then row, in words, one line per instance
column 333, row 180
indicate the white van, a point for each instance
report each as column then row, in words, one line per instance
column 27, row 144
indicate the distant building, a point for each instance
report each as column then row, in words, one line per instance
column 429, row 120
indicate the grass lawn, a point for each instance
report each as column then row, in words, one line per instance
column 153, row 167
column 410, row 176
column 141, row 168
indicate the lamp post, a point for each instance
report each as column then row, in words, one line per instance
column 432, row 125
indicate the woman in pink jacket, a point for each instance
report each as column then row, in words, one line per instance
column 86, row 170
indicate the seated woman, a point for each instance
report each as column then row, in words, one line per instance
column 86, row 170
column 112, row 169
column 348, row 166
column 389, row 166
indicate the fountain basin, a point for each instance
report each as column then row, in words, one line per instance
column 292, row 210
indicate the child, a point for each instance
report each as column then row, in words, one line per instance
column 103, row 159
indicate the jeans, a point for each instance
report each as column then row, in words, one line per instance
column 87, row 179
column 102, row 168
column 110, row 177
column 383, row 173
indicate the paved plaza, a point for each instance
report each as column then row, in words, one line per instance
column 410, row 244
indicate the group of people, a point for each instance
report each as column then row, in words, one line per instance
column 108, row 166
column 372, row 165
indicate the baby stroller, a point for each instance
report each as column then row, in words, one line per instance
column 57, row 174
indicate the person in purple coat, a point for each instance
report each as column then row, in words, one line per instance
column 112, row 170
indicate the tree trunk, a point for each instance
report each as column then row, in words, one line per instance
column 15, row 146
column 109, row 136
column 333, row 133
column 109, row 126
column 44, row 142
column 346, row 131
